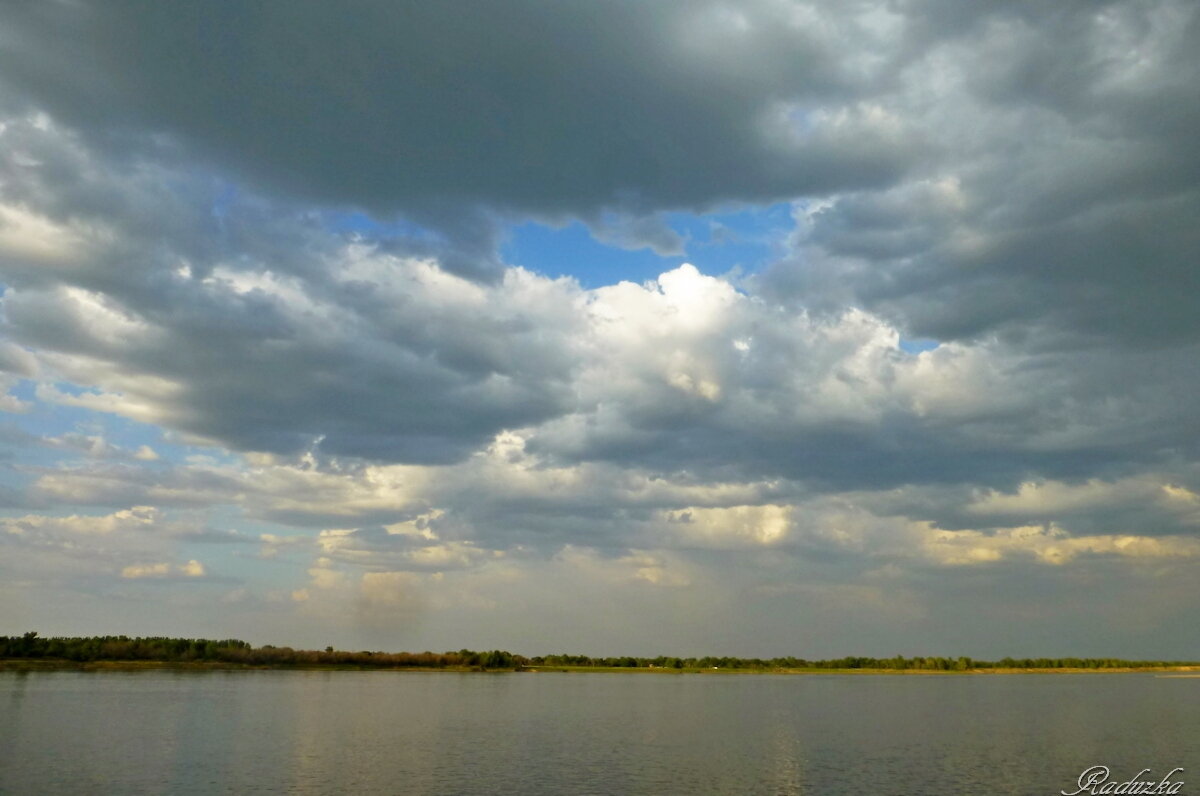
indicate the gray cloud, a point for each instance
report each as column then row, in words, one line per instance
column 443, row 110
column 386, row 354
column 1059, row 208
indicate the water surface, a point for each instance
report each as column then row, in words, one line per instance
column 181, row 732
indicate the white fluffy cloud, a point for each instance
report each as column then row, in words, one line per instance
column 81, row 550
column 191, row 569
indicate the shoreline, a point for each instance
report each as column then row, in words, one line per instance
column 895, row 672
column 51, row 665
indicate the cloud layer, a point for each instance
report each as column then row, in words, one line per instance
column 260, row 345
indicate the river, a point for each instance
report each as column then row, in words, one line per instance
column 335, row 732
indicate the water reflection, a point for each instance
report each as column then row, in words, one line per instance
column 786, row 761
column 14, row 685
column 384, row 732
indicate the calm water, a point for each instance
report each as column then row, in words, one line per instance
column 387, row 732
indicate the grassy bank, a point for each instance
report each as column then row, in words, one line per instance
column 51, row 665
column 820, row 671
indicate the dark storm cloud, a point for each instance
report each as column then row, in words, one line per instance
column 445, row 110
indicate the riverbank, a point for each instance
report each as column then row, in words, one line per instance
column 897, row 672
column 49, row 665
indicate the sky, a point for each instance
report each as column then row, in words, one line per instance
column 754, row 328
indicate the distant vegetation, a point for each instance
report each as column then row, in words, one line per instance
column 233, row 651
column 897, row 663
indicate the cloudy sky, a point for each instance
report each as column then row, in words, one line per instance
column 761, row 327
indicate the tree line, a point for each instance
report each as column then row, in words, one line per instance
column 234, row 651
column 895, row 663
column 188, row 650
